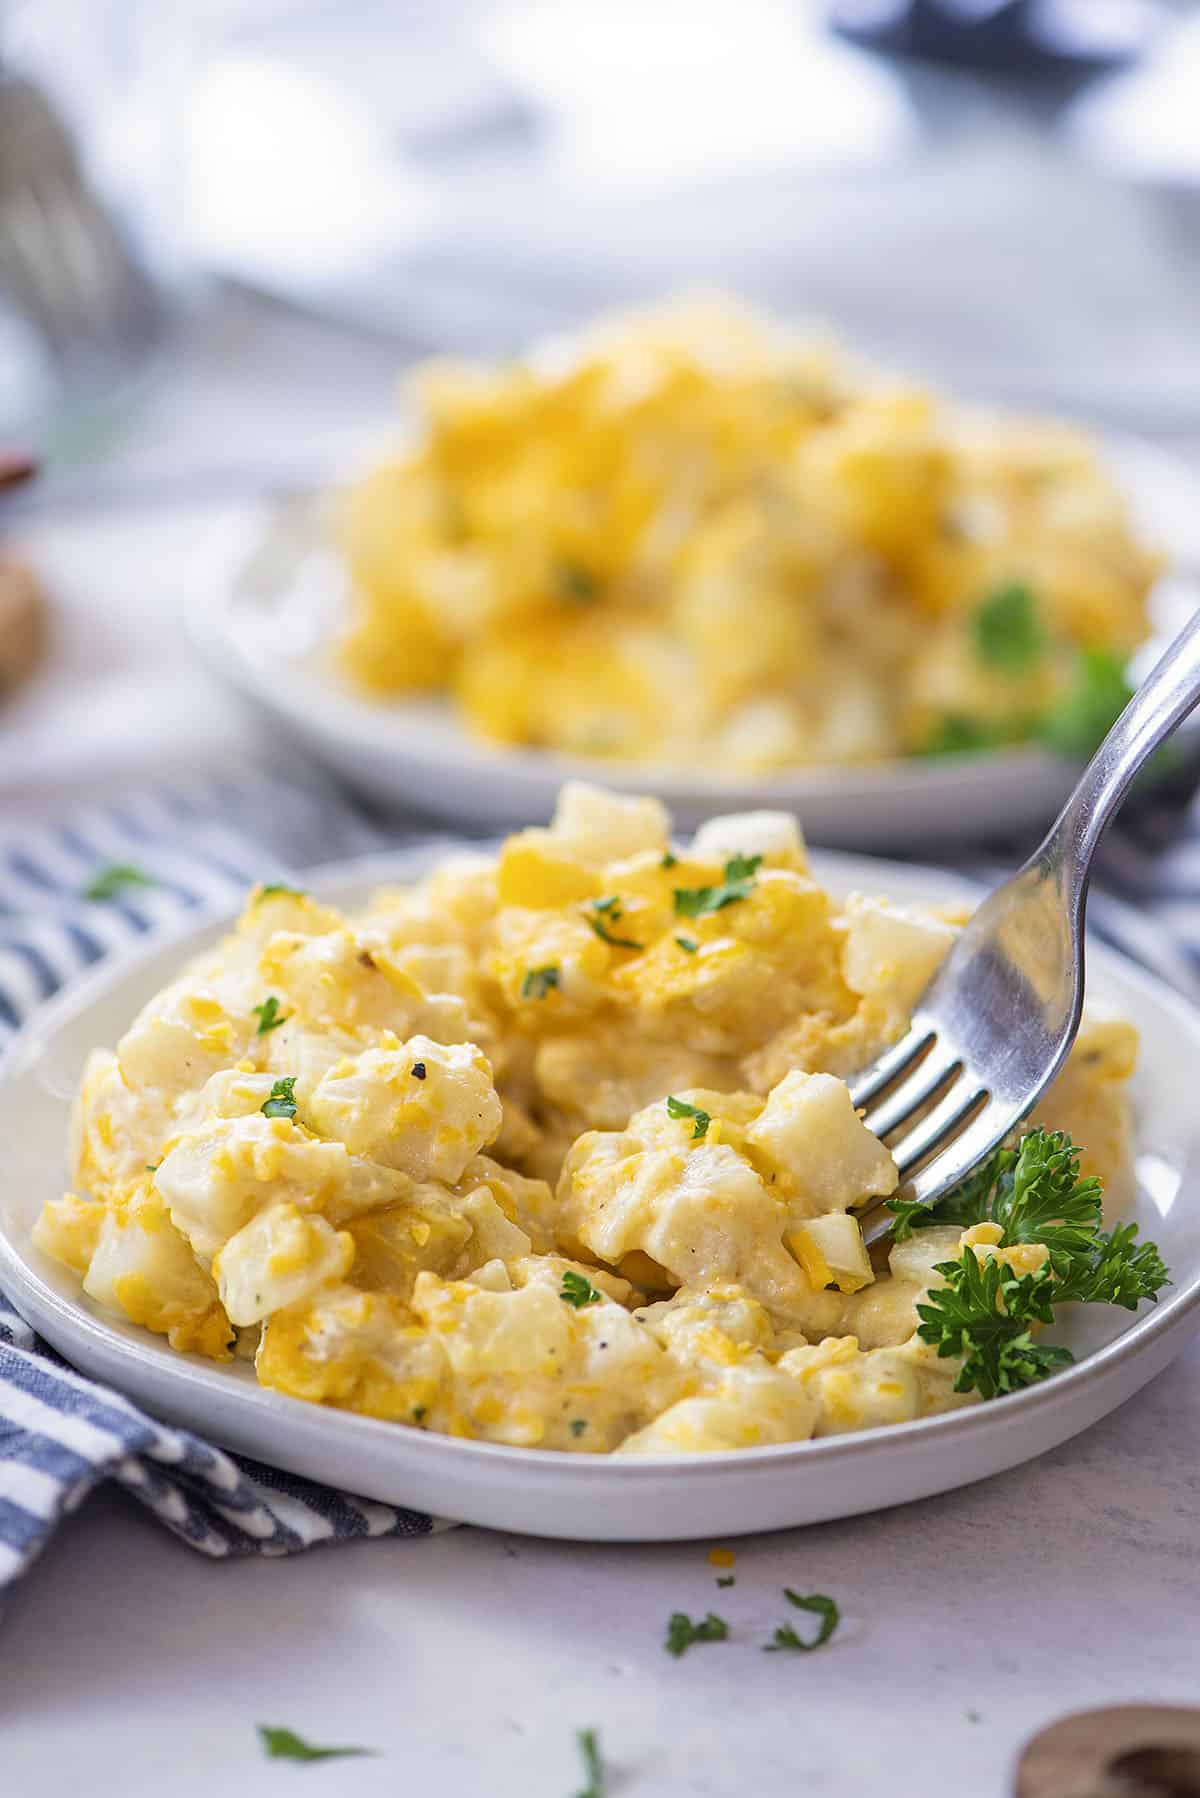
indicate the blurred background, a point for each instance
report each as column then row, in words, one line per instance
column 225, row 227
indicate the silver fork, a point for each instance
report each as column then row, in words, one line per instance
column 997, row 1021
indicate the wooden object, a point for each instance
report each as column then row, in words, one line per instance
column 23, row 623
column 1130, row 1751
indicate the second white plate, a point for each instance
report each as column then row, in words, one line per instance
column 267, row 635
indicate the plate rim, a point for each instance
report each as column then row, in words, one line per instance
column 1142, row 1337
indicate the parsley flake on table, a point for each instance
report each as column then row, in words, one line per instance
column 576, row 1290
column 269, row 1015
column 984, row 1313
column 728, row 1579
column 605, row 912
column 682, row 1632
column 110, row 882
column 679, row 1108
column 282, row 1101
column 276, row 889
column 825, row 1608
column 695, row 902
column 286, row 1745
column 540, row 981
column 593, row 1765
column 1008, row 631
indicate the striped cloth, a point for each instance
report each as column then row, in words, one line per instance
column 61, row 1434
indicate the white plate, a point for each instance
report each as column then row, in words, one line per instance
column 267, row 635
column 581, row 1496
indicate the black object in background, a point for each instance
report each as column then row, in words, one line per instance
column 1013, row 37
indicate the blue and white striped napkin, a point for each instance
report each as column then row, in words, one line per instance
column 62, row 1434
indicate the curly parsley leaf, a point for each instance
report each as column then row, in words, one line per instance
column 1116, row 1270
column 984, row 1313
column 682, row 1632
column 679, row 1108
column 269, row 1015
column 604, row 912
column 282, row 1102
column 593, row 1765
column 576, row 1290
column 695, row 902
column 540, row 981
column 821, row 1606
column 1008, row 630
column 117, row 878
column 286, row 1745
column 1078, row 724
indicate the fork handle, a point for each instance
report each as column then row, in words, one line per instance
column 1161, row 703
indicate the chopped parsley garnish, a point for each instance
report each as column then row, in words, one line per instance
column 540, row 981
column 593, row 1766
column 669, row 860
column 728, row 1579
column 679, row 1108
column 419, row 1070
column 821, row 1606
column 694, row 902
column 576, row 582
column 110, row 882
column 274, row 888
column 577, row 1291
column 682, row 1632
column 282, row 1103
column 419, row 1413
column 152, row 1167
column 1008, row 631
column 605, row 912
column 1078, row 724
column 286, row 1745
column 578, row 1426
column 269, row 1015
column 688, row 944
column 955, row 734
column 984, row 1313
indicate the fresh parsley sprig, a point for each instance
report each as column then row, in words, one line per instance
column 695, row 902
column 985, row 1313
column 281, row 1102
column 269, row 1015
column 593, row 1765
column 679, row 1108
column 682, row 1632
column 577, row 1290
column 821, row 1606
column 285, row 1745
column 540, row 981
column 117, row 878
column 602, row 913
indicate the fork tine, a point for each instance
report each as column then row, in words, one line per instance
column 924, row 1084
column 972, row 1145
column 892, row 1062
column 932, row 1132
